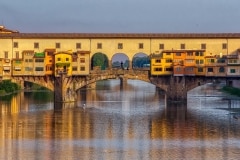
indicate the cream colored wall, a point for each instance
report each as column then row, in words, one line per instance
column 28, row 44
column 130, row 47
column 5, row 46
column 110, row 46
column 213, row 46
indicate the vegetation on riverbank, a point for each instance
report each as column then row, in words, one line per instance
column 6, row 87
column 231, row 90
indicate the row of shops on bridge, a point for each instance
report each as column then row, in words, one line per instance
column 195, row 63
column 46, row 63
column 168, row 62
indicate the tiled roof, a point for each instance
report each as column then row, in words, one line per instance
column 119, row 35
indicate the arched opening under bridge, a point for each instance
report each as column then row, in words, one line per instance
column 141, row 61
column 99, row 60
column 120, row 61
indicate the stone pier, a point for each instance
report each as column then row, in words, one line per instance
column 64, row 91
column 177, row 89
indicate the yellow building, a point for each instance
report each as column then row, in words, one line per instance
column 200, row 62
column 27, row 56
column 233, row 64
column 39, row 64
column 162, row 64
column 80, row 63
column 17, row 67
column 49, row 61
column 63, row 63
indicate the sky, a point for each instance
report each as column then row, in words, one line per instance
column 121, row 16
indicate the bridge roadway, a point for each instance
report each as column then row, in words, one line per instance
column 65, row 87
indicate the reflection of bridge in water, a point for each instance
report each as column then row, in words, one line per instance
column 175, row 87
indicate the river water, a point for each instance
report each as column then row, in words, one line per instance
column 120, row 122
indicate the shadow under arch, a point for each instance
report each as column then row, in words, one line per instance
column 99, row 59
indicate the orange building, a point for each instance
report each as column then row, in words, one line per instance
column 49, row 61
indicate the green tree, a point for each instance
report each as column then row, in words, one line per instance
column 8, row 86
column 140, row 61
column 100, row 59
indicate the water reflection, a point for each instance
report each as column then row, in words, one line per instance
column 113, row 122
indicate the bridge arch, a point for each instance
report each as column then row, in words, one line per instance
column 99, row 59
column 46, row 82
column 140, row 60
column 120, row 60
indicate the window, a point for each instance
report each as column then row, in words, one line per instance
column 178, row 69
column 201, row 61
column 168, row 69
column 58, row 45
column 120, row 46
column 74, row 59
column 158, row 60
column 17, row 55
column 82, row 60
column 210, row 60
column 58, row 59
column 182, row 46
column 232, row 70
column 99, row 45
column 161, row 46
column 28, row 68
column 221, row 61
column 48, row 68
column 140, row 45
column 82, row 68
column 36, row 45
column 74, row 68
column 157, row 69
column 67, row 59
column 39, row 69
column 78, row 46
column 221, row 70
column 200, row 69
column 224, row 46
column 39, row 60
column 49, row 53
column 232, row 61
column 168, row 60
column 209, row 69
column 15, row 44
column 189, row 53
column 203, row 46
column 199, row 54
column 178, row 54
column 5, row 54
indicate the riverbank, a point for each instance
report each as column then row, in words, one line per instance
column 231, row 90
column 7, row 87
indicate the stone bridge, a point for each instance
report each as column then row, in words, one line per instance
column 65, row 87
